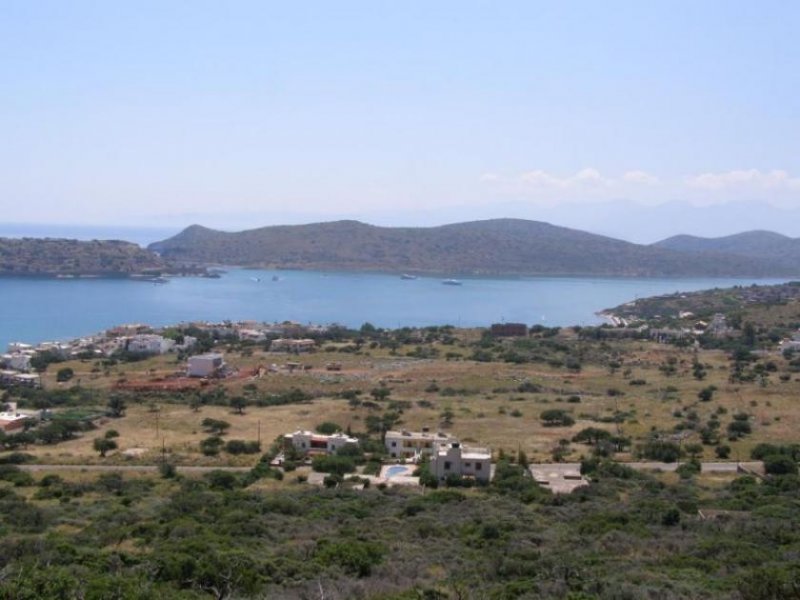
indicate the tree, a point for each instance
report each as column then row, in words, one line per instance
column 64, row 374
column 328, row 428
column 779, row 464
column 555, row 417
column 591, row 436
column 104, row 445
column 663, row 451
column 381, row 393
column 238, row 404
column 195, row 403
column 707, row 393
column 215, row 426
column 116, row 406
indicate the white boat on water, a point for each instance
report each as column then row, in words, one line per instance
column 407, row 276
column 451, row 282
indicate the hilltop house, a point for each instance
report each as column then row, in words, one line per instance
column 308, row 442
column 205, row 365
column 15, row 378
column 16, row 361
column 455, row 459
column 12, row 419
column 413, row 444
column 718, row 327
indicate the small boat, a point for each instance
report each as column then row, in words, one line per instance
column 451, row 282
column 256, row 279
column 407, row 276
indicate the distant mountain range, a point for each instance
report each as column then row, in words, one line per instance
column 491, row 247
column 756, row 244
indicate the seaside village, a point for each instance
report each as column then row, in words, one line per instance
column 199, row 365
column 445, row 455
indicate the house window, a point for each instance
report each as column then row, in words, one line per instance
column 394, row 444
column 394, row 454
column 478, row 466
column 446, row 466
column 467, row 465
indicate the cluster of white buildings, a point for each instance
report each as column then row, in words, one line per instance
column 256, row 331
column 447, row 455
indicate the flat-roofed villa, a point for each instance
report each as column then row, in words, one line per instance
column 462, row 461
column 292, row 345
column 308, row 442
column 414, row 444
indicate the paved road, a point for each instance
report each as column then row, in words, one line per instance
column 707, row 467
column 127, row 468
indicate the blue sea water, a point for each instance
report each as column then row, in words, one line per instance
column 35, row 310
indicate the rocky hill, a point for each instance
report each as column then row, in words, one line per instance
column 493, row 247
column 48, row 256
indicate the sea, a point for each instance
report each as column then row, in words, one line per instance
column 34, row 310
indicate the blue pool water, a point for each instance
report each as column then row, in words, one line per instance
column 397, row 470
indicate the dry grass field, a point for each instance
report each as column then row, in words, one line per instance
column 483, row 399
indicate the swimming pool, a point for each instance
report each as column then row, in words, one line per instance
column 398, row 470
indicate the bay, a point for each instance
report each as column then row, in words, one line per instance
column 35, row 310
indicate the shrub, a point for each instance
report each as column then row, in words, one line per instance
column 662, row 451
column 211, row 446
column 242, row 447
column 353, row 556
column 555, row 417
column 780, row 464
column 328, row 428
column 64, row 374
column 333, row 464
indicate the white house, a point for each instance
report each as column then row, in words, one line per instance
column 17, row 361
column 17, row 347
column 289, row 345
column 205, row 365
column 461, row 461
column 251, row 335
column 413, row 444
column 308, row 442
column 149, row 343
column 56, row 348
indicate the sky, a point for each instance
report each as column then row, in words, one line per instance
column 633, row 119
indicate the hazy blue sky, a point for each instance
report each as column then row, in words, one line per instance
column 247, row 113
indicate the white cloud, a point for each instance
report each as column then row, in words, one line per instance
column 775, row 187
column 641, row 177
column 750, row 179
